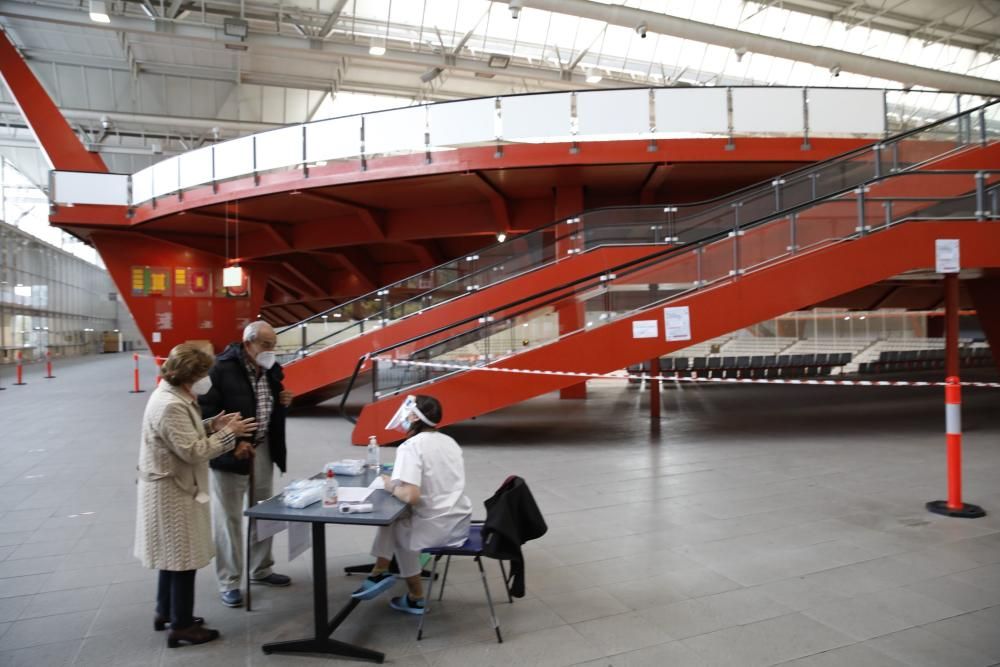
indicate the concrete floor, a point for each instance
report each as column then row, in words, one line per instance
column 759, row 526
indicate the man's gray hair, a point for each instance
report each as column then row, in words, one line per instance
column 252, row 330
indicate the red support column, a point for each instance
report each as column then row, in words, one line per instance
column 953, row 412
column 60, row 144
column 569, row 202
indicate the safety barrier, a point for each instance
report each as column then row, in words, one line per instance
column 682, row 378
column 20, row 370
column 954, row 506
column 136, row 386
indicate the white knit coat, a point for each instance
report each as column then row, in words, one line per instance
column 172, row 525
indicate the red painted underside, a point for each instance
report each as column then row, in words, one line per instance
column 312, row 242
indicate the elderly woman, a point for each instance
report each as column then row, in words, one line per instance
column 173, row 530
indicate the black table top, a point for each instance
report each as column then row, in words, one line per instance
column 387, row 508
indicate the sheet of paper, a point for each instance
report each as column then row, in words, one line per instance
column 298, row 539
column 946, row 256
column 377, row 483
column 353, row 494
column 645, row 329
column 678, row 323
column 264, row 529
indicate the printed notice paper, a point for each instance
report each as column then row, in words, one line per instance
column 644, row 329
column 946, row 259
column 678, row 322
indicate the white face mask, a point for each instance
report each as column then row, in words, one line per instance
column 202, row 386
column 266, row 359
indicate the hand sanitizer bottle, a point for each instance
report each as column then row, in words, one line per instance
column 331, row 489
column 373, row 454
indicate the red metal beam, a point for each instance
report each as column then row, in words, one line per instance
column 373, row 219
column 58, row 142
column 497, row 200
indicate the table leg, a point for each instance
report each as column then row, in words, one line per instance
column 321, row 642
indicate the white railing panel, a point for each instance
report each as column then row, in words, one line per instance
column 690, row 111
column 196, row 167
column 613, row 113
column 460, row 123
column 142, row 185
column 76, row 187
column 234, row 158
column 396, row 131
column 536, row 117
column 836, row 112
column 768, row 111
column 165, row 179
column 279, row 148
column 333, row 139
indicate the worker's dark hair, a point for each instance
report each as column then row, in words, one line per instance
column 430, row 407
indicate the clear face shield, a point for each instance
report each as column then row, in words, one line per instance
column 405, row 415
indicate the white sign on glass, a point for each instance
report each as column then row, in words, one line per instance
column 644, row 329
column 946, row 257
column 678, row 323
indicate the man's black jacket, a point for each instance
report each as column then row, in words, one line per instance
column 512, row 518
column 232, row 392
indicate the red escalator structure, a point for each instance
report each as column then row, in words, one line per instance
column 582, row 247
column 730, row 271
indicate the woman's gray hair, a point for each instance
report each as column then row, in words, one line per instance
column 252, row 331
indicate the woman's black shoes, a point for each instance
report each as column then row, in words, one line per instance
column 194, row 634
column 161, row 623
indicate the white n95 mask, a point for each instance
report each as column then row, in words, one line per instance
column 266, row 359
column 202, row 386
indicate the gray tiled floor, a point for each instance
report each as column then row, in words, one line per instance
column 758, row 526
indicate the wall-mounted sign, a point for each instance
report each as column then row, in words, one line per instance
column 946, row 256
column 645, row 329
column 678, row 323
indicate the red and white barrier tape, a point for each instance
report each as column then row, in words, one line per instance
column 677, row 378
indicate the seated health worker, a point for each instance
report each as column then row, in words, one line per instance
column 428, row 475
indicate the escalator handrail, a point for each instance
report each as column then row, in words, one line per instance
column 723, row 200
column 632, row 266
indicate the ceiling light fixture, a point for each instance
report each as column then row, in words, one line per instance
column 501, row 237
column 235, row 27
column 99, row 12
column 515, row 8
column 377, row 47
column 498, row 61
column 594, row 77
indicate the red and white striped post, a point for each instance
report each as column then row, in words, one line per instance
column 953, row 411
column 135, row 376
column 48, row 366
column 20, row 369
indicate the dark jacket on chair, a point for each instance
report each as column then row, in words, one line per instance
column 512, row 518
column 232, row 392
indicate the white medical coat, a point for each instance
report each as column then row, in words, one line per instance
column 433, row 461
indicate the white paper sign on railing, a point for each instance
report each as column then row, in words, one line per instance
column 333, row 139
column 279, row 148
column 463, row 123
column 538, row 117
column 196, row 167
column 234, row 158
column 613, row 112
column 768, row 111
column 833, row 111
column 76, row 187
column 691, row 111
column 399, row 130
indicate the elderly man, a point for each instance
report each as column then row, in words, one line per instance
column 246, row 379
